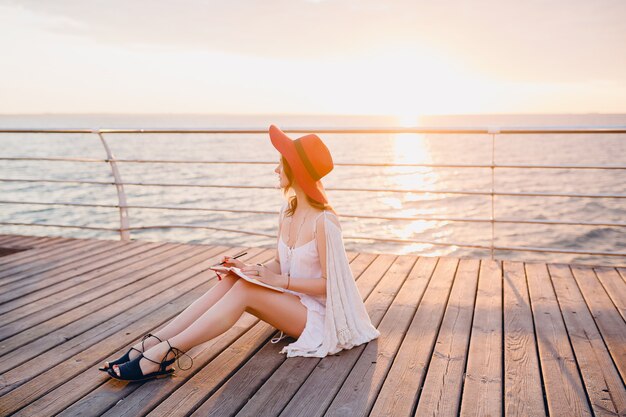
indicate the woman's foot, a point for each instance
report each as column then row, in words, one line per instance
column 156, row 353
column 144, row 344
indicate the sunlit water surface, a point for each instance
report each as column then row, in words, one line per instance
column 349, row 148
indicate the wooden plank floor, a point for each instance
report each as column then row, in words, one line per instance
column 469, row 337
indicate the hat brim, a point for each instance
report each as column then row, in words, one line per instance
column 283, row 144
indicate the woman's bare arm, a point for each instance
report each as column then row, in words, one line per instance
column 311, row 286
column 273, row 265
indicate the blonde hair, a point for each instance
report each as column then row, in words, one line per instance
column 293, row 201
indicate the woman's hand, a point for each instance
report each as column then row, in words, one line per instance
column 264, row 275
column 230, row 261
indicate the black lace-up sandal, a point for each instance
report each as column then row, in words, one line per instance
column 131, row 371
column 126, row 356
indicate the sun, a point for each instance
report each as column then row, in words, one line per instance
column 406, row 119
column 409, row 81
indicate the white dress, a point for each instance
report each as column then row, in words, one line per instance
column 302, row 262
column 337, row 320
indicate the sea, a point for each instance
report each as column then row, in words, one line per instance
column 385, row 189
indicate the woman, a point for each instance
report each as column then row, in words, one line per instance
column 321, row 306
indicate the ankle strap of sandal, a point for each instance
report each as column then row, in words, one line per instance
column 146, row 337
column 178, row 354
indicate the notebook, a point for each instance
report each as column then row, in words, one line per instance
column 238, row 272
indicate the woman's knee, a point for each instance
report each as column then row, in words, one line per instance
column 243, row 290
column 229, row 280
column 221, row 287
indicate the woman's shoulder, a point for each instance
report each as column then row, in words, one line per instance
column 324, row 215
column 281, row 212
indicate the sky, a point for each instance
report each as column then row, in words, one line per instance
column 402, row 58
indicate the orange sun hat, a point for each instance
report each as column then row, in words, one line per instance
column 308, row 158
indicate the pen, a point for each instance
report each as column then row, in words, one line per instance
column 234, row 257
column 222, row 263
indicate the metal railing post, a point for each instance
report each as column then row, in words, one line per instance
column 493, row 132
column 119, row 184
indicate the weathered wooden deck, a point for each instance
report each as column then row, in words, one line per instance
column 458, row 336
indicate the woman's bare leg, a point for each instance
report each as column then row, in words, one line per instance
column 281, row 310
column 189, row 315
column 196, row 309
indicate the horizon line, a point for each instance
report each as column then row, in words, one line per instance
column 303, row 114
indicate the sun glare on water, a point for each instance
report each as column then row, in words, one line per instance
column 412, row 148
column 418, row 81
